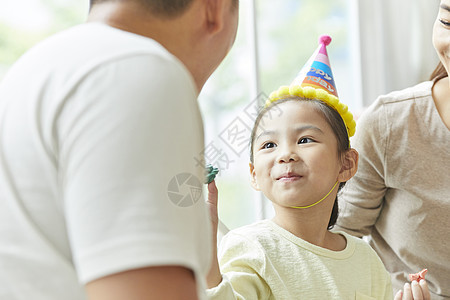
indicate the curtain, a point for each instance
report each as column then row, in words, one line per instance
column 396, row 50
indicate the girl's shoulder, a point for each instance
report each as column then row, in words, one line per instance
column 361, row 247
column 353, row 240
column 247, row 243
column 253, row 231
column 259, row 236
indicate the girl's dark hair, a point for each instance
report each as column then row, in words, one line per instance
column 333, row 119
column 439, row 73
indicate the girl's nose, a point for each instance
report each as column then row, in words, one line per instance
column 287, row 154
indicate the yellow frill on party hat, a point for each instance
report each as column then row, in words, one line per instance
column 315, row 81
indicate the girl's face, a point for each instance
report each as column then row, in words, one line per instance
column 441, row 34
column 295, row 155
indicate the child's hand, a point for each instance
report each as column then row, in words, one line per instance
column 212, row 206
column 414, row 291
column 214, row 277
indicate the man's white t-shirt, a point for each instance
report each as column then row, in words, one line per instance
column 101, row 171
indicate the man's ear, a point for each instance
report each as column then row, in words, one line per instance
column 215, row 15
column 349, row 165
column 253, row 181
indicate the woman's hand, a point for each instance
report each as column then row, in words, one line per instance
column 214, row 277
column 414, row 291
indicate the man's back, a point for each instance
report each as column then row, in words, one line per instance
column 83, row 128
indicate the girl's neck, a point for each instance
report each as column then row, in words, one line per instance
column 310, row 225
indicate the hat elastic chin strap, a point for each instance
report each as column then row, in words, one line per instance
column 311, row 205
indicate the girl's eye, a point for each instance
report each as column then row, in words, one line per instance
column 305, row 141
column 269, row 145
column 445, row 23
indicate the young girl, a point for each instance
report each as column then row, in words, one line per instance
column 300, row 157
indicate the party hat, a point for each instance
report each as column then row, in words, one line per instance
column 315, row 81
column 317, row 71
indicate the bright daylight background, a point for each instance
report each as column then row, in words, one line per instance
column 378, row 46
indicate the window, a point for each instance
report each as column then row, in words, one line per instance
column 23, row 23
column 286, row 35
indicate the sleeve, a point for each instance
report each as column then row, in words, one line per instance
column 242, row 266
column 362, row 197
column 128, row 136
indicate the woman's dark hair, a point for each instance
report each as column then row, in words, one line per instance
column 439, row 73
column 333, row 119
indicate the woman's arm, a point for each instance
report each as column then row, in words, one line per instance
column 361, row 200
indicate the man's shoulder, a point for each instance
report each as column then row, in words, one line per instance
column 77, row 51
column 105, row 43
column 96, row 43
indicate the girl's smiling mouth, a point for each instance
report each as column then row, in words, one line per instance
column 288, row 177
